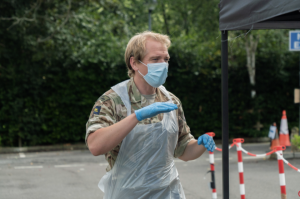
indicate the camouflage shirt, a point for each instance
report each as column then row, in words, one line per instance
column 109, row 109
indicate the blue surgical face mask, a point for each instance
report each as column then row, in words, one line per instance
column 157, row 73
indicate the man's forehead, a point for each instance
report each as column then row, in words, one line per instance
column 156, row 48
column 154, row 44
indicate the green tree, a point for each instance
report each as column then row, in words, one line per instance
column 58, row 57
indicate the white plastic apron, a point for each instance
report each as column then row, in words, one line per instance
column 144, row 168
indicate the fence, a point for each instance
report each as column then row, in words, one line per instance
column 238, row 143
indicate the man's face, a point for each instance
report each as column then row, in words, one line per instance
column 156, row 52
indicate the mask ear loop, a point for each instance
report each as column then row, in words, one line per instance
column 141, row 73
column 139, row 70
column 142, row 62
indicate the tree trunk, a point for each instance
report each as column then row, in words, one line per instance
column 165, row 19
column 251, row 46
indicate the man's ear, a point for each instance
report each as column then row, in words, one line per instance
column 133, row 64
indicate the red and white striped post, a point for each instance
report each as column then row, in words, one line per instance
column 238, row 142
column 286, row 162
column 212, row 170
column 281, row 172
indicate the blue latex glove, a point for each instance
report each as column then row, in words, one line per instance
column 207, row 142
column 154, row 109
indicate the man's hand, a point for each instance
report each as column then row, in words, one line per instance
column 207, row 142
column 154, row 109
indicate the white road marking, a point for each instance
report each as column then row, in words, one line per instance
column 217, row 159
column 103, row 164
column 22, row 155
column 68, row 165
column 29, row 167
column 12, row 157
column 253, row 157
column 184, row 161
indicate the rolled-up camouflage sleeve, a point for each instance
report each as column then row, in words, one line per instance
column 184, row 135
column 102, row 115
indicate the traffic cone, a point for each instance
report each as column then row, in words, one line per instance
column 275, row 141
column 284, row 138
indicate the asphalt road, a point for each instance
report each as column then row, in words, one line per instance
column 75, row 174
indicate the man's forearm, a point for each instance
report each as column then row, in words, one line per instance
column 192, row 151
column 105, row 139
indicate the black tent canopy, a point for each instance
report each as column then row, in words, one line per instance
column 259, row 14
column 241, row 15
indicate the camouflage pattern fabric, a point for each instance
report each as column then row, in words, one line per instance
column 109, row 109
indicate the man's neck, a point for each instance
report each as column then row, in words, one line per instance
column 143, row 86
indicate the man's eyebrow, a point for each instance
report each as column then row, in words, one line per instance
column 159, row 57
column 154, row 57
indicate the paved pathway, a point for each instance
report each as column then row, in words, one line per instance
column 75, row 174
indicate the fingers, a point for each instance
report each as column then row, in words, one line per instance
column 212, row 149
column 205, row 138
column 165, row 104
column 170, row 106
column 164, row 107
column 207, row 141
column 210, row 146
column 200, row 140
column 154, row 109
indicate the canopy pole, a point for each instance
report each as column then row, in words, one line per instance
column 225, row 119
column 149, row 22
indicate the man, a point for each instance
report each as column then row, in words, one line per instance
column 140, row 127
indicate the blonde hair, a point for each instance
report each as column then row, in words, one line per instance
column 136, row 47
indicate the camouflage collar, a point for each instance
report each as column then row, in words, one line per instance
column 137, row 100
column 133, row 91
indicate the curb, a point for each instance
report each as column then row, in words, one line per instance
column 62, row 147
column 82, row 146
column 286, row 155
column 248, row 140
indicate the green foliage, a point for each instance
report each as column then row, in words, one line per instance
column 58, row 57
column 296, row 141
